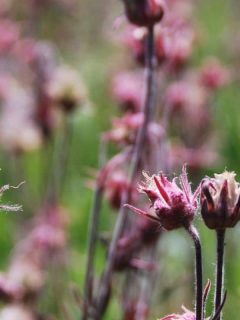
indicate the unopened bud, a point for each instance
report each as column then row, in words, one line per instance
column 144, row 12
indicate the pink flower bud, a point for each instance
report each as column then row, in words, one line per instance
column 220, row 201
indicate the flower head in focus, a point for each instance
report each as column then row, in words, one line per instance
column 220, row 201
column 172, row 206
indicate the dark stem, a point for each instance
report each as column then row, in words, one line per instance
column 220, row 270
column 198, row 265
column 103, row 294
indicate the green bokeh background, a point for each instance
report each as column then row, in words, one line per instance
column 84, row 41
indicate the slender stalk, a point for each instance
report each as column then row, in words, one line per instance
column 219, row 271
column 198, row 265
column 93, row 232
column 59, row 164
column 103, row 294
column 93, row 236
column 146, row 287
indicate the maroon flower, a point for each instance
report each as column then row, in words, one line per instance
column 220, row 201
column 144, row 12
column 173, row 207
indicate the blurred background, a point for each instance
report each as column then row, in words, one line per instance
column 44, row 46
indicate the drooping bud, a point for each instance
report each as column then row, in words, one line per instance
column 220, row 201
column 144, row 12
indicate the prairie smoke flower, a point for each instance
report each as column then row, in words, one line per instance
column 220, row 201
column 173, row 206
column 144, row 12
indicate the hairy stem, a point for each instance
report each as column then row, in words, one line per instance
column 103, row 294
column 220, row 270
column 198, row 265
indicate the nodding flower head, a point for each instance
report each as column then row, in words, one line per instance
column 172, row 206
column 187, row 315
column 144, row 12
column 220, row 201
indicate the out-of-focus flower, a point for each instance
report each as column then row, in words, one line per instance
column 174, row 39
column 127, row 250
column 5, row 6
column 9, row 35
column 18, row 312
column 182, row 8
column 127, row 88
column 26, row 275
column 185, row 93
column 66, row 89
column 131, row 308
column 115, row 186
column 18, row 131
column 197, row 158
column 187, row 315
column 125, row 128
column 144, row 12
column 188, row 102
column 220, row 201
column 173, row 207
column 178, row 44
column 133, row 38
column 214, row 75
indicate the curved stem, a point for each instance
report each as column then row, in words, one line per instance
column 103, row 294
column 220, row 270
column 198, row 265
